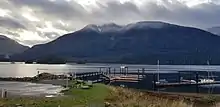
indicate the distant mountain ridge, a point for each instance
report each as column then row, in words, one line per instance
column 112, row 27
column 9, row 46
column 141, row 42
column 214, row 30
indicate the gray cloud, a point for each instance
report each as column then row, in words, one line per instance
column 70, row 16
column 11, row 23
column 59, row 9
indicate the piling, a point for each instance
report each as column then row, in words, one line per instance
column 109, row 71
column 143, row 72
column 126, row 70
column 197, row 81
column 114, row 71
column 179, row 77
column 154, row 82
column 120, row 71
column 100, row 70
column 4, row 93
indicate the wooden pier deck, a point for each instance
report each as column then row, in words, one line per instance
column 128, row 78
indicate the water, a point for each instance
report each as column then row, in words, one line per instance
column 30, row 89
column 30, row 70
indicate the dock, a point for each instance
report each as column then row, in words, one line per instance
column 184, row 84
column 126, row 75
column 142, row 76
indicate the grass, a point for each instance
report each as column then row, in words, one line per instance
column 96, row 94
column 75, row 97
column 120, row 97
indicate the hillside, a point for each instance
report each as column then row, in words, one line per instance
column 141, row 42
column 9, row 46
column 214, row 30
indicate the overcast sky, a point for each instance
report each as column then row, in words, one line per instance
column 33, row 22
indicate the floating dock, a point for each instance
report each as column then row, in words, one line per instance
column 184, row 84
column 109, row 75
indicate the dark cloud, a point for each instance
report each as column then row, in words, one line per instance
column 11, row 23
column 69, row 16
column 60, row 9
column 201, row 16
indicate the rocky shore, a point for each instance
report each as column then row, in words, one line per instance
column 37, row 78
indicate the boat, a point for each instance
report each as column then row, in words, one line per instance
column 162, row 81
column 208, row 79
column 123, row 67
column 188, row 81
column 159, row 81
column 203, row 80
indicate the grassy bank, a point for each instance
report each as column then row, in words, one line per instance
column 100, row 95
column 121, row 97
column 75, row 97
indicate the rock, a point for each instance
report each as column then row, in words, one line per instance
column 107, row 104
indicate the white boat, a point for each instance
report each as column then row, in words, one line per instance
column 206, row 80
column 200, row 81
column 162, row 81
column 188, row 81
column 123, row 67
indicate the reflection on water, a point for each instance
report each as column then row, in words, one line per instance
column 30, row 89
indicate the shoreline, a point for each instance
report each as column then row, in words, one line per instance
column 49, row 89
column 62, row 83
column 125, row 93
column 46, row 78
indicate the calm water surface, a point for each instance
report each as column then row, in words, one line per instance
column 30, row 89
column 25, row 70
column 29, row 70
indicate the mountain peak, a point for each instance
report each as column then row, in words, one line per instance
column 13, row 47
column 146, row 24
column 91, row 27
column 110, row 27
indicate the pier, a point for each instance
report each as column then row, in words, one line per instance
column 125, row 75
column 143, row 77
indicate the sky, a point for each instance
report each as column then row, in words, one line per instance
column 32, row 22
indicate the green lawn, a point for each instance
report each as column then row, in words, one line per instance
column 74, row 98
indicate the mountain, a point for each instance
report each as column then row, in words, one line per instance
column 141, row 42
column 9, row 46
column 214, row 30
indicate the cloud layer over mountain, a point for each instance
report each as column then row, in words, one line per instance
column 33, row 22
